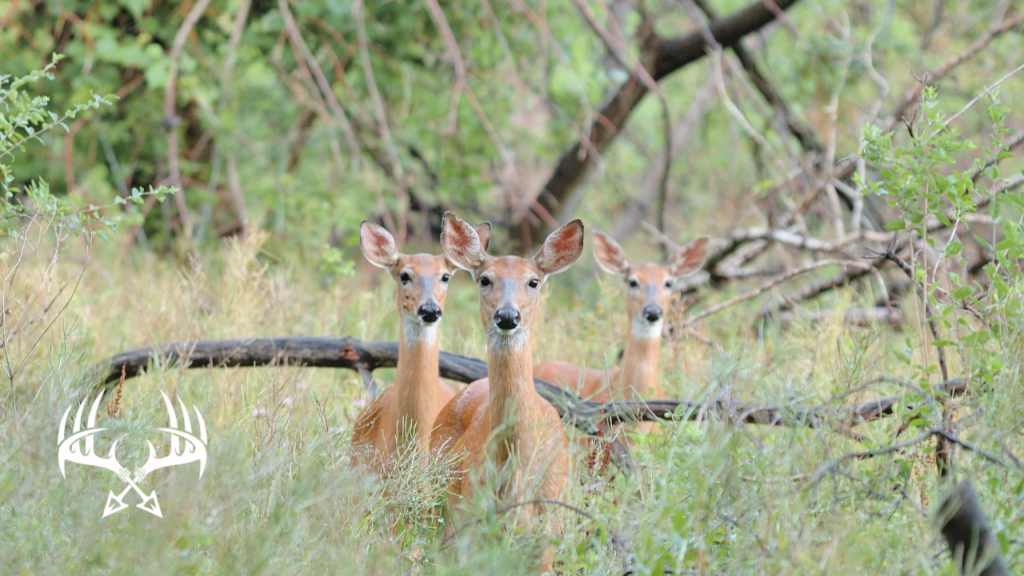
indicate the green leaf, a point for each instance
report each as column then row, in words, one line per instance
column 963, row 292
column 896, row 225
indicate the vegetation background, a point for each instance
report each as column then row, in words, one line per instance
column 218, row 194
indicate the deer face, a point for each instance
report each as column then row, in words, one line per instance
column 510, row 285
column 650, row 284
column 422, row 279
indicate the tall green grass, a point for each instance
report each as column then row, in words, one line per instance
column 280, row 496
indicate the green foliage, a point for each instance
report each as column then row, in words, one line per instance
column 981, row 322
column 334, row 263
column 25, row 118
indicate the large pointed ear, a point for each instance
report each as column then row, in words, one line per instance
column 609, row 255
column 377, row 244
column 562, row 248
column 483, row 232
column 460, row 243
column 689, row 258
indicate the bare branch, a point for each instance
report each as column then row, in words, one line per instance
column 771, row 284
column 171, row 120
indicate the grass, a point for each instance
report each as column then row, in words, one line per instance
column 280, row 496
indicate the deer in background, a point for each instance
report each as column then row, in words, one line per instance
column 402, row 416
column 509, row 436
column 649, row 294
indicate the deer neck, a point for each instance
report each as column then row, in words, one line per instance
column 417, row 382
column 639, row 377
column 511, row 408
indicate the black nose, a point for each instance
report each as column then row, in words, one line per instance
column 429, row 312
column 652, row 313
column 507, row 319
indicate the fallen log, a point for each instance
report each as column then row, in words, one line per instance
column 365, row 356
column 346, row 352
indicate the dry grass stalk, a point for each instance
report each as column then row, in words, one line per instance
column 114, row 406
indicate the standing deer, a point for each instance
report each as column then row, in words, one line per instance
column 402, row 416
column 510, row 437
column 650, row 292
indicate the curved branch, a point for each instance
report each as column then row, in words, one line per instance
column 365, row 356
column 660, row 57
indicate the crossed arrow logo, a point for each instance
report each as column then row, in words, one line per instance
column 73, row 449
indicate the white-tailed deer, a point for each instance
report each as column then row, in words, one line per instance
column 649, row 294
column 402, row 416
column 510, row 437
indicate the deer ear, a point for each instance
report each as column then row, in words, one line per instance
column 561, row 249
column 609, row 255
column 377, row 244
column 460, row 243
column 689, row 258
column 483, row 231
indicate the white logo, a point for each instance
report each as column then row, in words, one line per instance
column 72, row 450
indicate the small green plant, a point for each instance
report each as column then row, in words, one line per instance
column 35, row 224
column 334, row 264
column 935, row 202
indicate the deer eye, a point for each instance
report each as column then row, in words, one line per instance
column 446, row 278
column 485, row 281
column 534, row 283
column 668, row 284
column 633, row 283
column 404, row 277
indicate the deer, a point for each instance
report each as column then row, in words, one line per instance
column 648, row 296
column 401, row 417
column 507, row 435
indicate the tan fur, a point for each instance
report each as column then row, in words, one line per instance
column 402, row 416
column 638, row 378
column 509, row 436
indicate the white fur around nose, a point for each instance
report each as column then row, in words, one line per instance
column 500, row 340
column 644, row 330
column 418, row 332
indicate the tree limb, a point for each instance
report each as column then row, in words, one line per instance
column 365, row 356
column 659, row 57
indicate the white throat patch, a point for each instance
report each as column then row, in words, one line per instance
column 417, row 332
column 644, row 330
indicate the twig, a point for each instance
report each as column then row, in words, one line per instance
column 828, row 468
column 943, row 452
column 771, row 284
column 321, row 80
column 171, row 119
column 441, row 23
column 618, row 50
column 641, row 205
column 513, row 506
column 358, row 14
column 891, row 255
column 987, row 90
column 803, row 134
